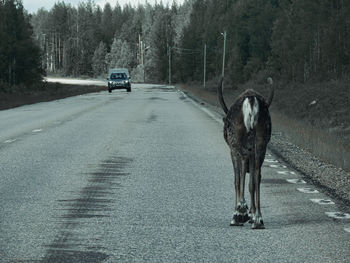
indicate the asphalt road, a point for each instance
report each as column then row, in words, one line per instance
column 146, row 177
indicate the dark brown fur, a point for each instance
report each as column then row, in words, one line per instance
column 248, row 151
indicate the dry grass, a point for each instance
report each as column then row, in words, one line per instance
column 49, row 91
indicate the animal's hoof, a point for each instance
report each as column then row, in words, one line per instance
column 235, row 223
column 258, row 223
column 258, row 226
column 244, row 218
column 240, row 218
column 251, row 221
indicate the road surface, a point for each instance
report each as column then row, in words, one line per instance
column 147, row 177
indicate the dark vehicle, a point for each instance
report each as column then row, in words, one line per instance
column 119, row 80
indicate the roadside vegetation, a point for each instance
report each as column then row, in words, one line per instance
column 20, row 56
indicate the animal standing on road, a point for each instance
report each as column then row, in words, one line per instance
column 247, row 131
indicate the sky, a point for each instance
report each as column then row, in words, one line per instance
column 33, row 5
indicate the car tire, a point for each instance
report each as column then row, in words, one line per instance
column 128, row 89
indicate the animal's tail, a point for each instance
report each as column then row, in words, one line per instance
column 272, row 91
column 221, row 98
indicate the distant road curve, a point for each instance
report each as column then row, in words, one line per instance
column 95, row 82
column 77, row 81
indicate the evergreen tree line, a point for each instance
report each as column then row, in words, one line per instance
column 294, row 40
column 87, row 40
column 20, row 61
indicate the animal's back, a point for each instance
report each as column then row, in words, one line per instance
column 244, row 124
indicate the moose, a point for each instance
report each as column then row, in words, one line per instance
column 247, row 131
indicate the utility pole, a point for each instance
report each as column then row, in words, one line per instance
column 140, row 51
column 223, row 56
column 141, row 43
column 144, row 49
column 142, row 59
column 169, row 52
column 205, row 64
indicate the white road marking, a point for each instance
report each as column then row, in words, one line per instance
column 37, row 130
column 308, row 190
column 338, row 215
column 10, row 141
column 323, row 201
column 211, row 115
column 203, row 109
column 296, row 181
column 271, row 161
column 347, row 229
column 277, row 166
column 286, row 172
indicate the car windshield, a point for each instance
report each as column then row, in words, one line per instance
column 118, row 76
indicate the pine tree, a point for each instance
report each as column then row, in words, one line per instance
column 20, row 57
column 107, row 26
column 98, row 60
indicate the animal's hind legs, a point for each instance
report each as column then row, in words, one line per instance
column 240, row 216
column 258, row 222
column 252, row 189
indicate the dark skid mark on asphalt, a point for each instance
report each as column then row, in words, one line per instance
column 157, row 98
column 152, row 118
column 94, row 201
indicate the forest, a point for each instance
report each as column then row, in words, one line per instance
column 20, row 56
column 295, row 41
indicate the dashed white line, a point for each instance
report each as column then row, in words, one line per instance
column 308, row 190
column 10, row 141
column 271, row 161
column 322, row 201
column 37, row 130
column 277, row 166
column 286, row 172
column 296, row 181
column 338, row 215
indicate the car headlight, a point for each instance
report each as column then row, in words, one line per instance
column 126, row 81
